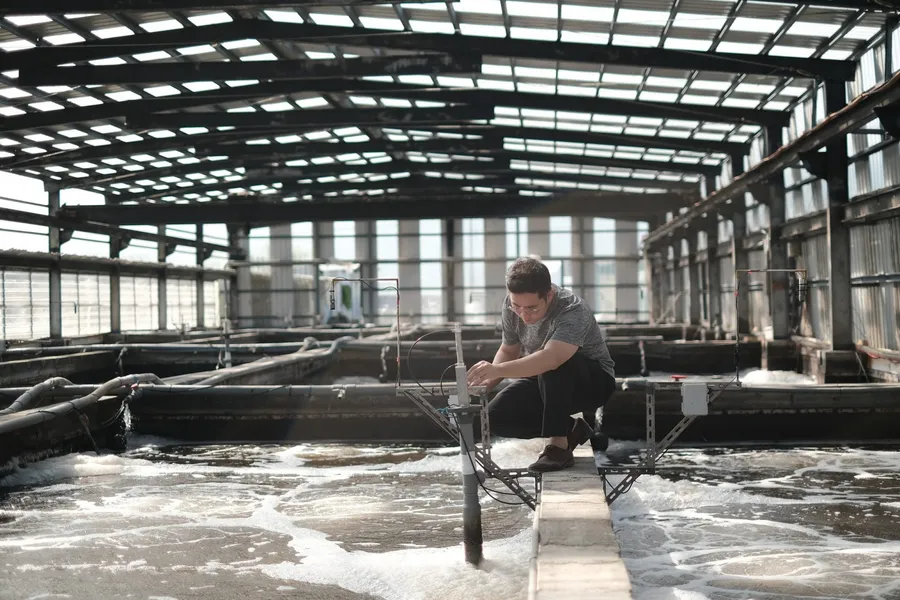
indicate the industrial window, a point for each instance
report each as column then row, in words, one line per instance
column 24, row 304
column 139, row 303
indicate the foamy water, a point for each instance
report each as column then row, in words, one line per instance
column 311, row 521
column 785, row 524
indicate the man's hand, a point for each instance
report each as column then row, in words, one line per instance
column 482, row 373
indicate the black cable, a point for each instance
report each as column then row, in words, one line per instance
column 409, row 354
column 480, row 483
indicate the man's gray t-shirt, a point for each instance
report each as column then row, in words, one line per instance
column 569, row 319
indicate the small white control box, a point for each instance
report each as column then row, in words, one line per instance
column 694, row 399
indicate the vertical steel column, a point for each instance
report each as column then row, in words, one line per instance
column 472, row 534
column 115, row 287
column 450, row 268
column 200, row 291
column 677, row 304
column 838, row 234
column 714, row 275
column 739, row 255
column 778, row 283
column 693, row 279
column 161, row 291
column 55, row 246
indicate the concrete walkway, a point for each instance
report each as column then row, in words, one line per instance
column 576, row 554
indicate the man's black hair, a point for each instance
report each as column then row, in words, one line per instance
column 528, row 276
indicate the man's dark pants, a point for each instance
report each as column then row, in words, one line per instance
column 541, row 406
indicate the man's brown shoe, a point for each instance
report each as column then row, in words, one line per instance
column 553, row 458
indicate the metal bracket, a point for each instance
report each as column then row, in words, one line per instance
column 816, row 163
column 509, row 478
column 170, row 248
column 655, row 451
column 65, row 235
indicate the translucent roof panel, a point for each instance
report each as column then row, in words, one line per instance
column 599, row 91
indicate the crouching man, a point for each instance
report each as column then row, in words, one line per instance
column 566, row 367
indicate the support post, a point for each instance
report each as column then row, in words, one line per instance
column 162, row 297
column 366, row 254
column 472, row 534
column 838, row 234
column 677, row 304
column 693, row 279
column 115, row 287
column 627, row 259
column 778, row 282
column 450, row 269
column 241, row 290
column 714, row 277
column 55, row 246
column 582, row 250
column 494, row 267
column 200, row 282
column 410, row 272
column 739, row 256
column 539, row 236
column 281, row 282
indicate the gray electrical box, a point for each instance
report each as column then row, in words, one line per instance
column 694, row 399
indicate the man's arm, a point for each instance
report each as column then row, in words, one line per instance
column 505, row 353
column 550, row 357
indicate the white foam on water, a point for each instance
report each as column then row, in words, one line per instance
column 698, row 540
column 420, row 574
column 764, row 377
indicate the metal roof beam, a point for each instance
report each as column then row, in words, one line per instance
column 542, row 50
column 613, row 205
column 325, row 117
column 310, row 149
column 44, row 7
column 100, row 228
column 836, row 124
column 608, row 139
column 872, row 5
column 271, row 70
column 616, row 163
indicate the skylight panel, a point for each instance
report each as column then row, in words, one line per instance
column 161, row 134
column 587, row 13
column 531, row 33
column 162, row 90
column 584, row 37
column 193, row 50
column 432, row 26
column 24, row 20
column 318, row 135
column 380, row 23
column 491, row 69
column 862, row 33
column 236, row 44
column 211, row 19
column 63, row 38
column 112, row 32
column 578, row 75
column 639, row 131
column 772, row 105
column 155, row 26
column 123, row 96
column 807, row 29
column 259, row 57
column 793, row 51
column 277, row 106
column 740, row 102
column 753, row 25
column 606, row 129
column 835, row 54
column 148, row 56
column 740, row 48
column 687, row 44
column 455, row 81
column 201, row 86
column 416, row 79
column 642, row 17
column 488, row 7
column 698, row 21
column 497, row 31
column 14, row 93
column 703, row 84
column 659, row 96
column 622, row 78
column 39, row 138
column 284, row 16
column 576, row 90
column 46, row 106
column 613, row 93
column 537, row 88
column 319, row 55
column 536, row 72
column 316, row 102
column 493, row 84
column 341, row 20
column 16, row 45
column 396, row 102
